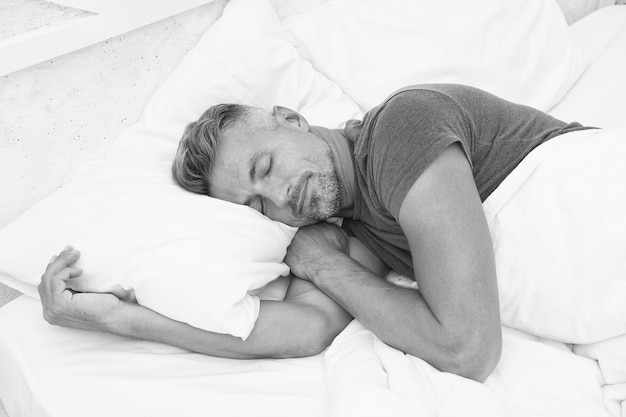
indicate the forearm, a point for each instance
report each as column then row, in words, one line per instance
column 142, row 323
column 302, row 325
column 398, row 316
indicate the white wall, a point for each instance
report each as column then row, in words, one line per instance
column 59, row 114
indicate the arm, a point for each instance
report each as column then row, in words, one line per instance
column 360, row 253
column 303, row 324
column 453, row 320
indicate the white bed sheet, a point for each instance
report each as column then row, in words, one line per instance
column 52, row 371
column 56, row 372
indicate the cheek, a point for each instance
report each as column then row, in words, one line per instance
column 280, row 215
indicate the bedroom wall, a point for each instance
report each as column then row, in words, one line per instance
column 62, row 113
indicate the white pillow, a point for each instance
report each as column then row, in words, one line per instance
column 192, row 258
column 244, row 58
column 597, row 98
column 522, row 51
column 188, row 256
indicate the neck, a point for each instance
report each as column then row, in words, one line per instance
column 344, row 165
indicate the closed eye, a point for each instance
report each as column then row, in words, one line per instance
column 270, row 164
column 260, row 164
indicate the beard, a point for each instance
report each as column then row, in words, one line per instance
column 325, row 196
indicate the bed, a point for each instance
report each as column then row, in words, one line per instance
column 327, row 63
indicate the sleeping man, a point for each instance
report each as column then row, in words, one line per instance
column 408, row 181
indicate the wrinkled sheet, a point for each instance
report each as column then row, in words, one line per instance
column 611, row 356
column 559, row 229
column 558, row 225
column 535, row 377
column 57, row 372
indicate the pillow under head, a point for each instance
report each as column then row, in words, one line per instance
column 187, row 256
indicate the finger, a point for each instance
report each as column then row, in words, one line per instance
column 58, row 263
column 55, row 260
column 56, row 284
column 53, row 285
column 64, row 259
column 40, row 290
column 51, row 262
column 69, row 255
column 64, row 275
column 70, row 272
column 66, row 251
column 73, row 283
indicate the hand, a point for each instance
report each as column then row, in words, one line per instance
column 313, row 245
column 64, row 307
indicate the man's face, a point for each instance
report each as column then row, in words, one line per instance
column 285, row 173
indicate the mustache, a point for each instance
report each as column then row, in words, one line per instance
column 297, row 191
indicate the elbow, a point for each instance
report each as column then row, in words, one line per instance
column 478, row 355
column 302, row 347
column 314, row 342
column 310, row 343
column 322, row 332
column 324, row 326
column 319, row 332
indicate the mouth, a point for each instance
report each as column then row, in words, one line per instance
column 302, row 198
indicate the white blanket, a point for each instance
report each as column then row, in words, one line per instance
column 535, row 377
column 611, row 357
column 559, row 229
column 558, row 225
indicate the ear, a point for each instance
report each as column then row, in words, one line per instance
column 290, row 118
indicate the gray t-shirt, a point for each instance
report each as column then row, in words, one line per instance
column 397, row 140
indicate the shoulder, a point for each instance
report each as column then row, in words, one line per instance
column 420, row 115
column 415, row 126
column 429, row 93
column 410, row 104
column 423, row 106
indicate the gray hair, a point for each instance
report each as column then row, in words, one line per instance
column 196, row 151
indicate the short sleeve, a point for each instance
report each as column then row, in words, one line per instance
column 412, row 129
